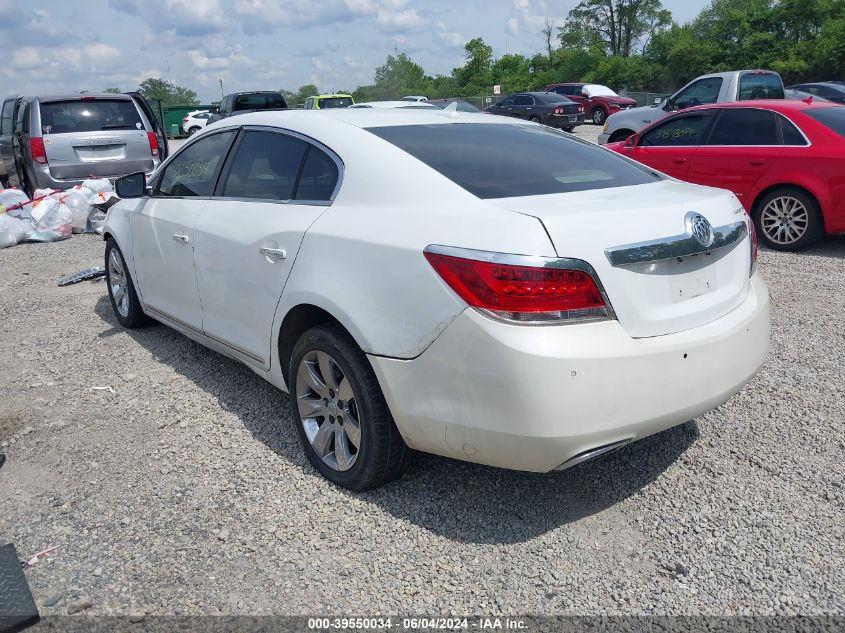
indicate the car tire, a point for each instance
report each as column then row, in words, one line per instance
column 124, row 300
column 533, row 118
column 193, row 130
column 788, row 219
column 569, row 129
column 333, row 385
column 619, row 135
column 599, row 116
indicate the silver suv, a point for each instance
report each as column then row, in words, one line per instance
column 736, row 85
column 56, row 142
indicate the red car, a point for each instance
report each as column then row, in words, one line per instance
column 784, row 160
column 599, row 101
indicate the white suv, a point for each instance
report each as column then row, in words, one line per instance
column 195, row 121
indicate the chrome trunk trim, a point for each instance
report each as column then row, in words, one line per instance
column 592, row 453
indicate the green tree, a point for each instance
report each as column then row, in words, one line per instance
column 167, row 92
column 113, row 91
column 616, row 25
column 475, row 76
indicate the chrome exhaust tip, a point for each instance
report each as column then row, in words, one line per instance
column 592, row 453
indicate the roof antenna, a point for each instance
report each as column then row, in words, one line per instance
column 808, row 100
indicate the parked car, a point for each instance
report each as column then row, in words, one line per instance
column 57, row 142
column 599, row 101
column 783, row 159
column 392, row 104
column 798, row 95
column 415, row 98
column 242, row 102
column 470, row 286
column 736, row 85
column 832, row 91
column 541, row 107
column 324, row 102
column 461, row 104
column 195, row 121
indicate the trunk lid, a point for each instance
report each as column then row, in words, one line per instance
column 83, row 154
column 652, row 291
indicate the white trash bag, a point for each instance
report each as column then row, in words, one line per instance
column 100, row 203
column 80, row 209
column 12, row 230
column 97, row 185
column 12, row 198
column 52, row 220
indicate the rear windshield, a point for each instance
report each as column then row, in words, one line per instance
column 833, row 118
column 493, row 160
column 552, row 97
column 335, row 102
column 763, row 86
column 269, row 101
column 64, row 117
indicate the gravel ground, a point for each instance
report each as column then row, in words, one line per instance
column 182, row 489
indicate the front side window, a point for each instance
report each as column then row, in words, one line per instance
column 492, row 160
column 702, row 92
column 687, row 129
column 89, row 115
column 265, row 166
column 506, row 102
column 760, row 86
column 193, row 172
column 740, row 126
column 7, row 117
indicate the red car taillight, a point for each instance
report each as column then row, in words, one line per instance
column 558, row 110
column 153, row 143
column 36, row 148
column 534, row 292
column 185, row 120
column 580, row 108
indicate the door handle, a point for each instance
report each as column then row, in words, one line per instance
column 679, row 161
column 757, row 162
column 273, row 253
column 181, row 238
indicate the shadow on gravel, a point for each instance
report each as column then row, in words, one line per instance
column 829, row 246
column 457, row 500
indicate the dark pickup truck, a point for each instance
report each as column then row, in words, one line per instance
column 241, row 102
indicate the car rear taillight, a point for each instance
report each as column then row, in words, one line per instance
column 153, row 143
column 520, row 288
column 185, row 120
column 752, row 234
column 580, row 108
column 559, row 110
column 36, row 148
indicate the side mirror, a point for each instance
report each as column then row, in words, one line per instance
column 131, row 186
column 669, row 105
column 632, row 140
column 214, row 109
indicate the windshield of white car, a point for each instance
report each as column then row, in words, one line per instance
column 503, row 161
column 599, row 91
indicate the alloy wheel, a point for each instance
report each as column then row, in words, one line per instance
column 328, row 410
column 598, row 116
column 784, row 220
column 118, row 284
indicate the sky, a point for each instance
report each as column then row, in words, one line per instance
column 56, row 46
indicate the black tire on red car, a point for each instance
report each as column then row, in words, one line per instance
column 788, row 219
column 599, row 116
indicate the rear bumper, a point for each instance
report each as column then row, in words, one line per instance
column 533, row 398
column 562, row 121
column 45, row 179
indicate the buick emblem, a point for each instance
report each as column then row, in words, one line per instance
column 699, row 227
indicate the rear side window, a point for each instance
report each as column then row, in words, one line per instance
column 193, row 172
column 335, row 102
column 7, row 117
column 501, row 161
column 687, row 129
column 264, row 101
column 832, row 118
column 762, row 86
column 95, row 115
column 740, row 126
column 319, row 177
column 265, row 167
column 524, row 100
column 791, row 135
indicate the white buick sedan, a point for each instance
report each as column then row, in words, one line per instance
column 476, row 287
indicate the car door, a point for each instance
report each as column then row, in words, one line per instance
column 523, row 107
column 163, row 230
column 17, row 174
column 670, row 145
column 504, row 107
column 743, row 146
column 274, row 186
column 7, row 124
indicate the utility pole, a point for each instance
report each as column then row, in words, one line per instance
column 221, row 87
